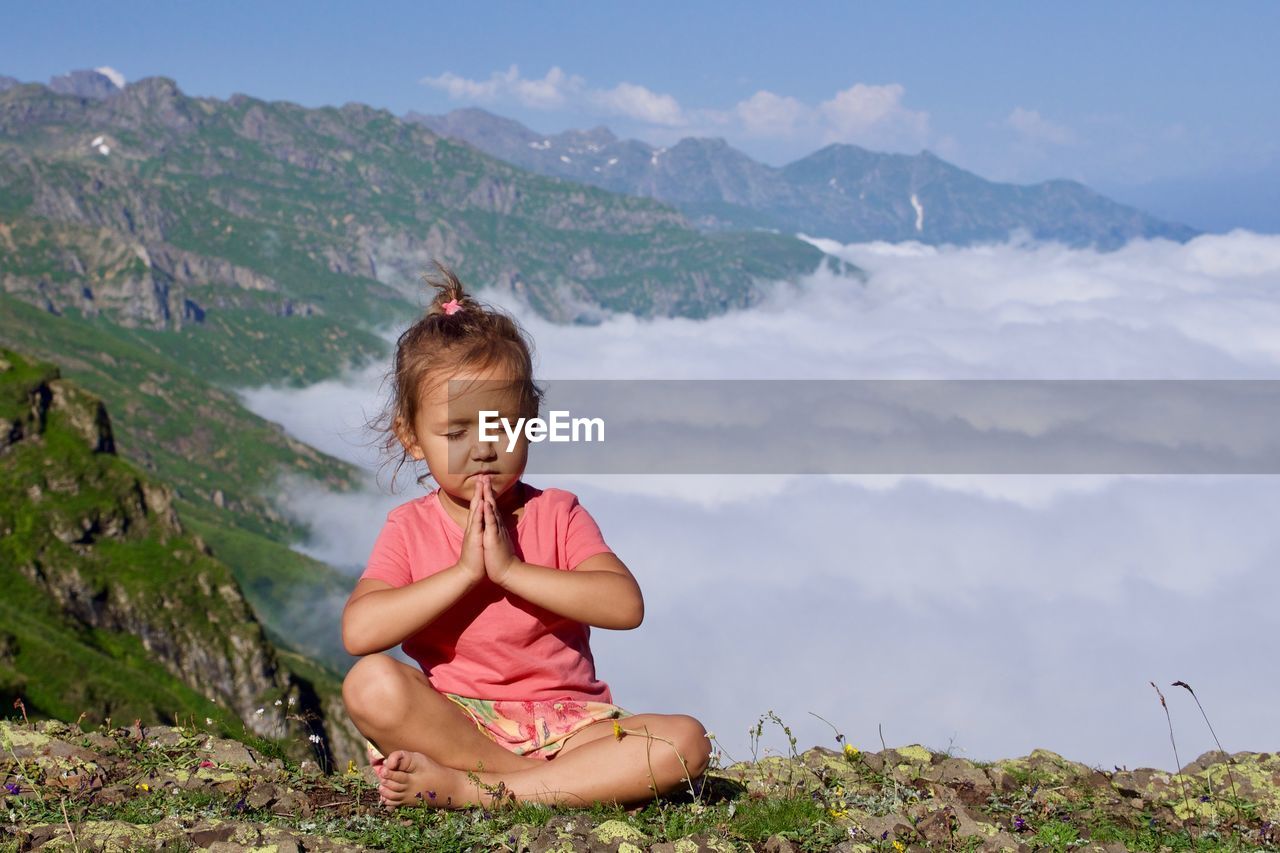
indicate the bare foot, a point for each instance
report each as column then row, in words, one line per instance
column 409, row 777
column 375, row 761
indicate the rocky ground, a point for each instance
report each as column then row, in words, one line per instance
column 180, row 788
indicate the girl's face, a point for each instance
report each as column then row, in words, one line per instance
column 446, row 433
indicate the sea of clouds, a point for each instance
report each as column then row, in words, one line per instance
column 991, row 614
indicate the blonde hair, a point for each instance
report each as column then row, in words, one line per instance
column 456, row 331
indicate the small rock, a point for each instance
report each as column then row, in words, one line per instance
column 229, row 753
column 698, row 843
column 36, row 836
column 778, row 844
column 228, row 786
column 1002, row 842
column 616, row 835
column 1002, row 780
column 207, row 836
column 936, row 826
column 292, row 803
column 282, row 840
column 562, row 832
column 262, row 796
column 164, row 736
column 62, row 749
column 113, row 795
column 99, row 741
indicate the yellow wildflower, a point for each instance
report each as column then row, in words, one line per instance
column 851, row 751
column 617, row 730
column 351, row 767
column 899, row 846
column 839, row 813
column 142, row 786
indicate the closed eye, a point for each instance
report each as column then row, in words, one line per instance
column 455, row 436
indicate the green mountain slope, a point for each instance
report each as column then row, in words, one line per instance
column 220, row 459
column 112, row 607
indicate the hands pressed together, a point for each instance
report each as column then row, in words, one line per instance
column 486, row 543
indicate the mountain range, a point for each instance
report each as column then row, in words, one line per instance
column 245, row 204
column 841, row 192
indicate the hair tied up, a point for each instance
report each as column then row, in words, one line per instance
column 451, row 297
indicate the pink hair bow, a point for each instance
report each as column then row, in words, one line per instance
column 451, row 306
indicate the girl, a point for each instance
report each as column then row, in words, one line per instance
column 490, row 584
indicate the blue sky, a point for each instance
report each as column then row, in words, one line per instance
column 1167, row 105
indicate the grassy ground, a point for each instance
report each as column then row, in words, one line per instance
column 184, row 788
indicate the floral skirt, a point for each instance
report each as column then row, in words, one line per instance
column 535, row 728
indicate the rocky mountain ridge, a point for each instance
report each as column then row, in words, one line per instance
column 102, row 579
column 841, row 192
column 338, row 209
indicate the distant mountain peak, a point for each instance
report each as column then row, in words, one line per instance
column 842, row 191
column 704, row 142
column 88, row 83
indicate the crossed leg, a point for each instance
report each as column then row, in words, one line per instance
column 395, row 706
column 656, row 754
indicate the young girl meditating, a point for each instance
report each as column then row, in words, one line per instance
column 490, row 584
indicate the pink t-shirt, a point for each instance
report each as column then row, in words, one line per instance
column 491, row 645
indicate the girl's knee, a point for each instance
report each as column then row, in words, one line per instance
column 693, row 744
column 375, row 690
column 691, row 749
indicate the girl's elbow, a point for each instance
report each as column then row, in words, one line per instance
column 353, row 645
column 633, row 616
column 355, row 641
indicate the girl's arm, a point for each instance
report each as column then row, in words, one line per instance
column 599, row 591
column 379, row 616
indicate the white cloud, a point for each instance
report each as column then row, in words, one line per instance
column 985, row 607
column 113, row 75
column 558, row 90
column 555, row 90
column 641, row 104
column 868, row 115
column 1036, row 128
column 767, row 114
column 871, row 115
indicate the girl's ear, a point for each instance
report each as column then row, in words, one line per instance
column 407, row 438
